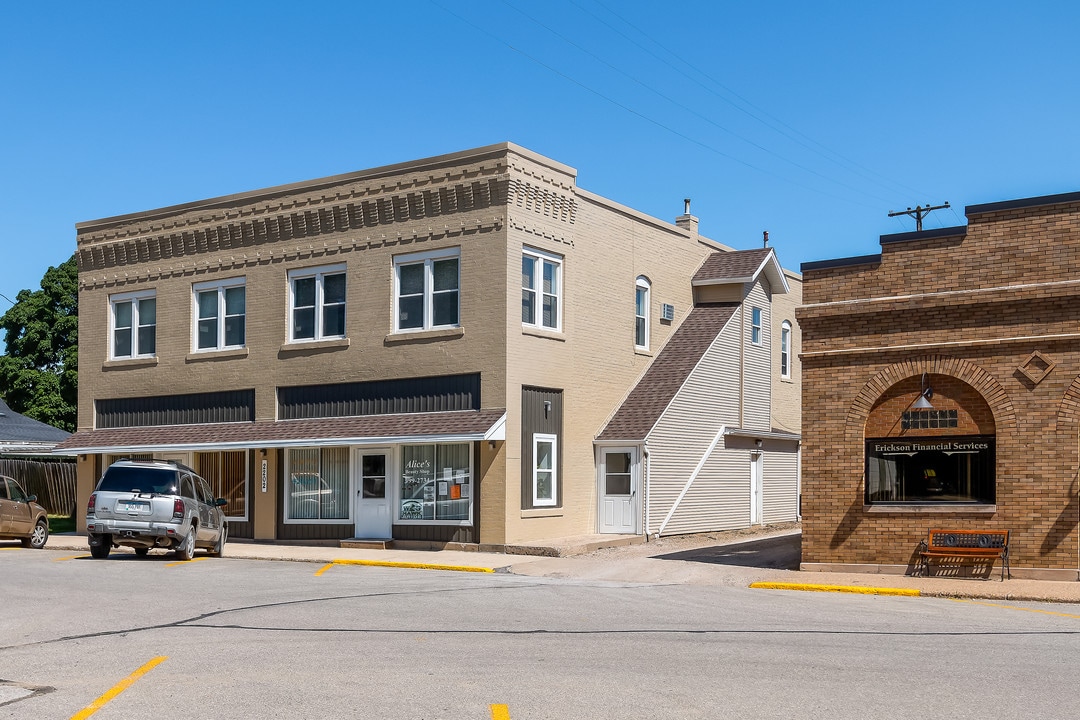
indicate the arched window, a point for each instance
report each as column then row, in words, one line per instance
column 785, row 349
column 641, row 314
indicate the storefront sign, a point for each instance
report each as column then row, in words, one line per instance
column 264, row 476
column 927, row 446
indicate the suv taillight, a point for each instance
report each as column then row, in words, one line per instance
column 178, row 508
column 91, row 504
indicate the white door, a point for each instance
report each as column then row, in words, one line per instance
column 619, row 497
column 372, row 494
column 756, row 483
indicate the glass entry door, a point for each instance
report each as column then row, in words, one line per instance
column 620, row 501
column 372, row 494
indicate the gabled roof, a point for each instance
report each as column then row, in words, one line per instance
column 20, row 434
column 742, row 266
column 457, row 426
column 655, row 390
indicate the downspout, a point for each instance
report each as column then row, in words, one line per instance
column 647, row 477
column 693, row 477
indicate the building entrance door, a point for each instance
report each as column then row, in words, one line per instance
column 618, row 491
column 756, row 488
column 372, row 494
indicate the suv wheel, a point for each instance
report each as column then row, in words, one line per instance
column 219, row 546
column 39, row 536
column 186, row 549
column 103, row 547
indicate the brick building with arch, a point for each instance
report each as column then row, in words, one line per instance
column 942, row 391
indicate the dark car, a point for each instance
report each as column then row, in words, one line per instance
column 21, row 518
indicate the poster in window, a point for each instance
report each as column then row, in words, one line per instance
column 464, row 491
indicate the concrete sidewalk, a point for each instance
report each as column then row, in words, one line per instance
column 699, row 561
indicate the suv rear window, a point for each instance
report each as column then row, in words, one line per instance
column 136, row 479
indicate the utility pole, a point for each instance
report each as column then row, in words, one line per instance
column 918, row 213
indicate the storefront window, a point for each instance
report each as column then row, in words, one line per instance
column 436, row 483
column 318, row 484
column 226, row 473
column 930, row 470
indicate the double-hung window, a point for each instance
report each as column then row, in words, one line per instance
column 220, row 314
column 133, row 317
column 785, row 350
column 544, row 478
column 427, row 290
column 755, row 325
column 317, row 303
column 541, row 289
column 641, row 314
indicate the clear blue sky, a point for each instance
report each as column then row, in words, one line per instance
column 810, row 120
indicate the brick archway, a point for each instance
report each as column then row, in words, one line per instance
column 1068, row 416
column 978, row 378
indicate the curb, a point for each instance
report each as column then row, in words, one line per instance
column 808, row 587
column 413, row 566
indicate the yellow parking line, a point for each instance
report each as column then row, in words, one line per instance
column 1013, row 607
column 415, row 566
column 70, row 557
column 500, row 712
column 11, row 547
column 185, row 562
column 117, row 689
column 324, row 568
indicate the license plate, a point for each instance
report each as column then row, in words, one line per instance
column 136, row 506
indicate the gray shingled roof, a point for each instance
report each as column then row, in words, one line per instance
column 735, row 265
column 19, row 430
column 669, row 370
column 470, row 424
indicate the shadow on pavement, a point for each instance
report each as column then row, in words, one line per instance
column 778, row 553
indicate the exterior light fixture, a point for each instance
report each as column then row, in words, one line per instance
column 923, row 403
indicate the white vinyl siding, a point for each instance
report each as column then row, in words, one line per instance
column 757, row 366
column 781, row 487
column 681, row 437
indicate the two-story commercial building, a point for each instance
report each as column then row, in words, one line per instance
column 460, row 349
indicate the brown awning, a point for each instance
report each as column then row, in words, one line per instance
column 457, row 426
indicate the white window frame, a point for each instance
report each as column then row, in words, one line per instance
column 642, row 287
column 133, row 298
column 319, row 274
column 428, row 260
column 348, row 497
column 553, row 501
column 755, row 325
column 220, row 286
column 785, row 349
column 540, row 258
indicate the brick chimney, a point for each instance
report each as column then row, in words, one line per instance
column 687, row 221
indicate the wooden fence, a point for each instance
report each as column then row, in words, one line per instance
column 53, row 481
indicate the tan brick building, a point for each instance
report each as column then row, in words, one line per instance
column 942, row 391
column 424, row 351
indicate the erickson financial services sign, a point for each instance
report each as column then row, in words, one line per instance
column 931, row 445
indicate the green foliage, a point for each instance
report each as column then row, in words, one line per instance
column 39, row 373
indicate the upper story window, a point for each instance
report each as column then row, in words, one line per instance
column 541, row 289
column 220, row 314
column 133, row 317
column 427, row 290
column 755, row 325
column 317, row 303
column 641, row 314
column 785, row 349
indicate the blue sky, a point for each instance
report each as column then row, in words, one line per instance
column 809, row 120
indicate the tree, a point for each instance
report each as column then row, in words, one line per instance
column 39, row 373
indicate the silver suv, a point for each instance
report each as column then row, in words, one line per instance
column 146, row 504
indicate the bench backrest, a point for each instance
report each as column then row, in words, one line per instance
column 964, row 542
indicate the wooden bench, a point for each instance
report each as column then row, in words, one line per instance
column 964, row 544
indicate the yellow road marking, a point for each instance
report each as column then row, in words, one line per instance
column 70, row 557
column 908, row 592
column 500, row 712
column 1013, row 607
column 324, row 568
column 117, row 689
column 11, row 547
column 185, row 562
column 414, row 566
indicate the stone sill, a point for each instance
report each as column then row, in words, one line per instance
column 129, row 363
column 297, row 348
column 543, row 333
column 211, row 355
column 542, row 512
column 424, row 335
column 912, row 509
